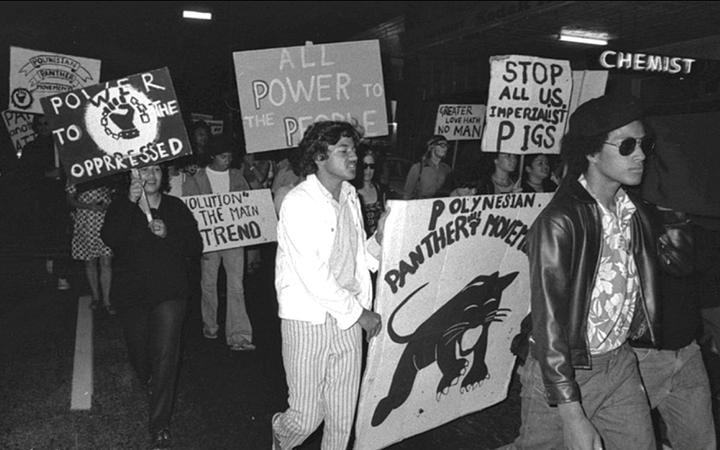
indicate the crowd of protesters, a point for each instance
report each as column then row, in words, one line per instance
column 143, row 260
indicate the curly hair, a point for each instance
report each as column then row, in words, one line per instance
column 316, row 140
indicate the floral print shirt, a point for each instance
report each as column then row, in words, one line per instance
column 616, row 289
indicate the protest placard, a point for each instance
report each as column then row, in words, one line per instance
column 216, row 127
column 460, row 122
column 528, row 101
column 117, row 126
column 234, row 219
column 587, row 85
column 20, row 130
column 36, row 74
column 452, row 291
column 284, row 90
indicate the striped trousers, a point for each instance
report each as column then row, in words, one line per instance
column 322, row 368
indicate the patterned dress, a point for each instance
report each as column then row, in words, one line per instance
column 86, row 242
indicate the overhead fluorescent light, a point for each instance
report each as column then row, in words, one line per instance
column 583, row 40
column 187, row 14
column 582, row 36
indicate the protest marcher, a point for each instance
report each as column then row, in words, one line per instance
column 371, row 193
column 47, row 204
column 217, row 177
column 674, row 375
column 284, row 173
column 90, row 200
column 430, row 176
column 593, row 287
column 324, row 290
column 499, row 180
column 179, row 170
column 200, row 136
column 537, row 174
column 259, row 174
column 150, row 288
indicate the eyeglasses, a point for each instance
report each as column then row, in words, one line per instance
column 628, row 145
column 368, row 166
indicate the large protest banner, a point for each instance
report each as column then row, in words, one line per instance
column 452, row 291
column 35, row 74
column 283, row 90
column 527, row 107
column 234, row 219
column 117, row 126
column 19, row 126
column 460, row 122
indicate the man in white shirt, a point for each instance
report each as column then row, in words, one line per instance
column 324, row 290
column 219, row 177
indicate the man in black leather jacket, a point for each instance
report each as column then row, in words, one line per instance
column 593, row 288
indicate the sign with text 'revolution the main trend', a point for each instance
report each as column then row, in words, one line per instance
column 234, row 219
column 118, row 125
column 19, row 126
column 284, row 90
column 528, row 102
column 460, row 122
column 452, row 291
column 35, row 74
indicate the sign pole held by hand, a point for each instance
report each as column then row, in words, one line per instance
column 144, row 203
column 455, row 150
column 521, row 171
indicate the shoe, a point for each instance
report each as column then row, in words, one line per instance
column 275, row 437
column 110, row 310
column 161, row 439
column 94, row 305
column 244, row 346
column 63, row 284
column 209, row 335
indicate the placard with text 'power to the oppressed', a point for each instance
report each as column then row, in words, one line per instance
column 284, row 90
column 234, row 219
column 117, row 126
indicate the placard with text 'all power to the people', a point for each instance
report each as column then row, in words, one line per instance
column 528, row 104
column 118, row 125
column 36, row 74
column 284, row 90
column 452, row 291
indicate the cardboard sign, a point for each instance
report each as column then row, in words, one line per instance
column 587, row 85
column 234, row 219
column 284, row 90
column 117, row 126
column 528, row 103
column 35, row 74
column 460, row 122
column 452, row 292
column 216, row 127
column 20, row 130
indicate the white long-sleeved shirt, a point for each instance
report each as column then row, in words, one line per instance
column 306, row 288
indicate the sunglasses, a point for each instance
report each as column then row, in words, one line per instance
column 627, row 146
column 368, row 166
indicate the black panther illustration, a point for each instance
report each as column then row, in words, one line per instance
column 439, row 339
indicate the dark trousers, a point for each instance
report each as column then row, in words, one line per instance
column 153, row 335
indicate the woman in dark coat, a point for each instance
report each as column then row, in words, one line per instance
column 150, row 287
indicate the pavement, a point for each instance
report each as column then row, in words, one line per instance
column 225, row 399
